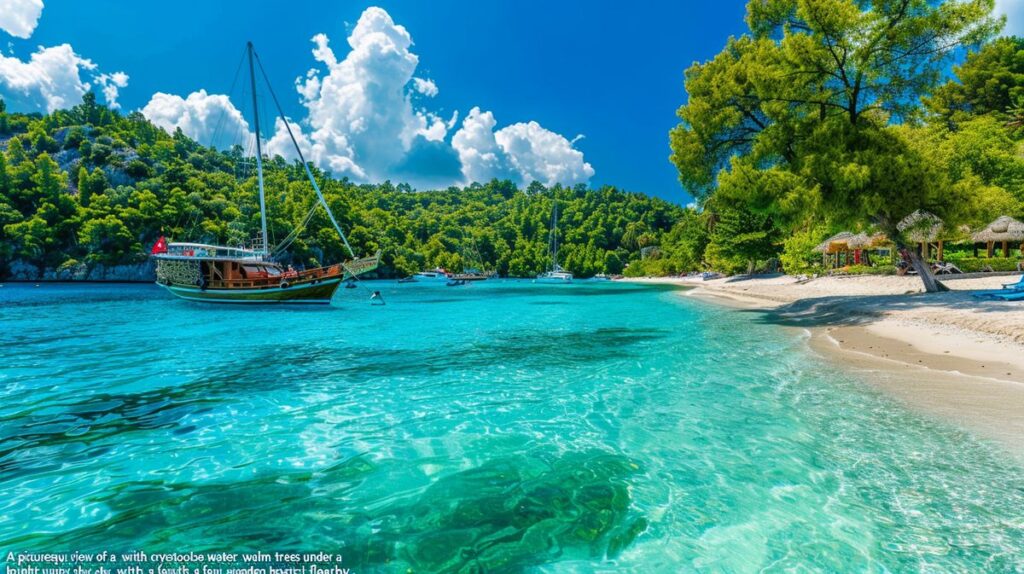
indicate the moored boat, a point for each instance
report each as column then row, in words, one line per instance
column 217, row 274
column 436, row 274
column 555, row 274
column 471, row 275
column 224, row 274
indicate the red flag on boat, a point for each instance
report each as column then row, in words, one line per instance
column 159, row 247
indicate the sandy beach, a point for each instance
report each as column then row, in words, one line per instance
column 948, row 354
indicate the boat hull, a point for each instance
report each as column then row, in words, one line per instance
column 320, row 292
column 428, row 277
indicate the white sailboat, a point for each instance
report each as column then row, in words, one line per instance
column 437, row 274
column 555, row 274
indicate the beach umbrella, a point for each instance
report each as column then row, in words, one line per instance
column 1005, row 230
column 843, row 237
column 921, row 226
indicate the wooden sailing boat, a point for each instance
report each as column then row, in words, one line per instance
column 219, row 274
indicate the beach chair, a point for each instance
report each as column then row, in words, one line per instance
column 1015, row 286
column 1008, row 289
column 943, row 268
column 1009, row 296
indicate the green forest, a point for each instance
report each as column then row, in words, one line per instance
column 852, row 115
column 826, row 115
column 88, row 185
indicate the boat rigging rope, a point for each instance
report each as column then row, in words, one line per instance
column 291, row 237
column 223, row 112
column 302, row 159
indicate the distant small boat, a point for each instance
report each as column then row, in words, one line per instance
column 555, row 274
column 471, row 276
column 407, row 280
column 600, row 277
column 457, row 283
column 436, row 274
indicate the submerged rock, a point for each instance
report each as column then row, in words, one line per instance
column 513, row 513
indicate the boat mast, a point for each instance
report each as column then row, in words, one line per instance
column 554, row 239
column 259, row 151
column 298, row 150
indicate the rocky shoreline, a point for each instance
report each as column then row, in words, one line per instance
column 23, row 271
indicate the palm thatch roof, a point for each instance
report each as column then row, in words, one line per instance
column 1004, row 228
column 921, row 226
column 846, row 240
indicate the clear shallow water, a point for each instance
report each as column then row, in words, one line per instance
column 499, row 427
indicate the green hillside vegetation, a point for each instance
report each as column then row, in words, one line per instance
column 90, row 185
column 834, row 115
column 796, row 130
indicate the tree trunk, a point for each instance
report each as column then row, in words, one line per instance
column 911, row 256
column 931, row 284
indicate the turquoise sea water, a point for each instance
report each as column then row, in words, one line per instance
column 498, row 427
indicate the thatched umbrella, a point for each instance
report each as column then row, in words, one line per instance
column 1004, row 229
column 845, row 241
column 924, row 228
column 843, row 237
column 921, row 226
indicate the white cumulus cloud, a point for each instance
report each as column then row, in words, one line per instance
column 542, row 155
column 523, row 152
column 1014, row 12
column 110, row 84
column 19, row 17
column 363, row 121
column 51, row 79
column 210, row 119
column 481, row 156
column 426, row 87
column 361, row 116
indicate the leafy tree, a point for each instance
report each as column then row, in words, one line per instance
column 687, row 241
column 107, row 239
column 740, row 238
column 175, row 187
column 90, row 184
column 75, row 137
column 798, row 114
column 5, row 125
column 30, row 238
column 798, row 254
column 5, row 178
column 990, row 81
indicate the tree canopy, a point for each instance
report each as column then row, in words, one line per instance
column 90, row 185
column 816, row 113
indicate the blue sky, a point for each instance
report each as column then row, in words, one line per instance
column 609, row 72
